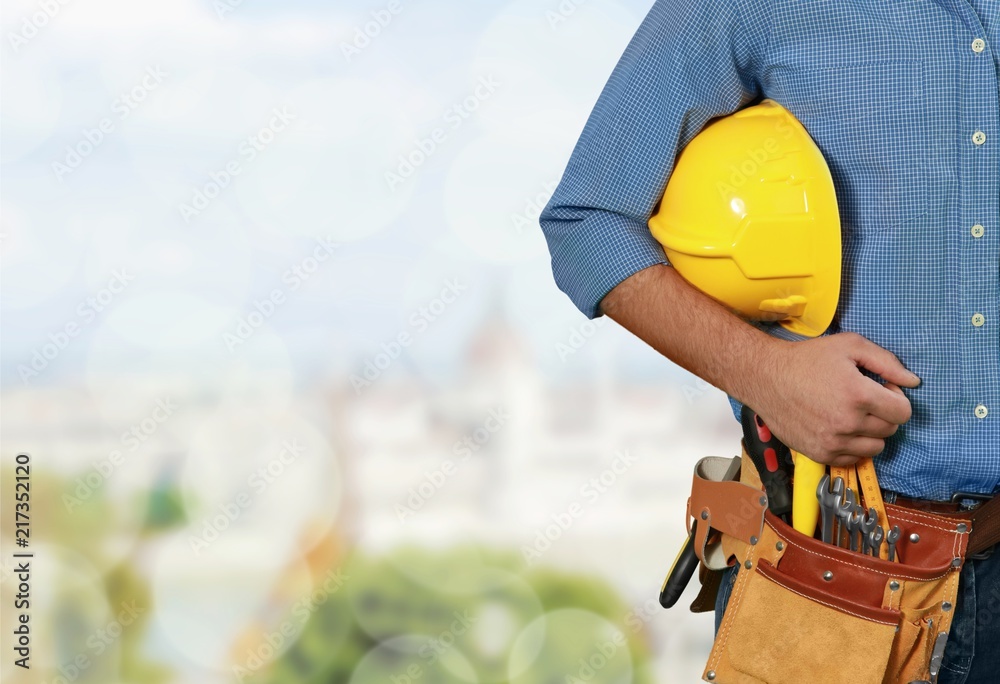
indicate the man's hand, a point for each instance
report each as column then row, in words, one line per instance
column 819, row 403
column 811, row 393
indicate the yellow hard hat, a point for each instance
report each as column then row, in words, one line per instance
column 749, row 217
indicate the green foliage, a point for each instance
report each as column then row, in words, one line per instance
column 464, row 615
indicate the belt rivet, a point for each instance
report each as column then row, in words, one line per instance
column 946, row 606
column 962, row 528
column 957, row 563
column 894, row 585
column 704, row 515
column 828, row 576
column 748, row 565
column 914, row 538
column 780, row 546
column 710, row 675
column 763, row 501
column 753, row 541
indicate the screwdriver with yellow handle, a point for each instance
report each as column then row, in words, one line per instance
column 805, row 506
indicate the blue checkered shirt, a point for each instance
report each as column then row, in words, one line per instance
column 902, row 98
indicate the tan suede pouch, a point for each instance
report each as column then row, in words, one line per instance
column 805, row 611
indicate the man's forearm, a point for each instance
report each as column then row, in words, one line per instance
column 692, row 330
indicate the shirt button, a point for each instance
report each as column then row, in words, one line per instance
column 982, row 411
column 979, row 137
column 978, row 320
column 978, row 45
column 978, row 231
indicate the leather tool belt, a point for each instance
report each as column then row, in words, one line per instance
column 802, row 610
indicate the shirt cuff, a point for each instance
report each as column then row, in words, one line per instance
column 589, row 261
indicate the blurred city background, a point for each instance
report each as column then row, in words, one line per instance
column 279, row 334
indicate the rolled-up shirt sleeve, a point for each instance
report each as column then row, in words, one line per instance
column 689, row 62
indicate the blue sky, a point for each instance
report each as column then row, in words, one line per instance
column 183, row 93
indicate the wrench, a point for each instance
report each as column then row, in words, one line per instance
column 875, row 538
column 868, row 525
column 828, row 502
column 892, row 537
column 844, row 511
column 854, row 526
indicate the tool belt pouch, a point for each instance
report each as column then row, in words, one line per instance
column 802, row 610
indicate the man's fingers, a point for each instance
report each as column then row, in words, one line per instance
column 884, row 363
column 873, row 426
column 888, row 403
column 862, row 447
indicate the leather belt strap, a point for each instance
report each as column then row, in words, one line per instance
column 985, row 526
column 938, row 507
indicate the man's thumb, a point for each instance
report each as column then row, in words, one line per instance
column 884, row 363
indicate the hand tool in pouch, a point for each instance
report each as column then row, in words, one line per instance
column 687, row 561
column 773, row 461
column 805, row 511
